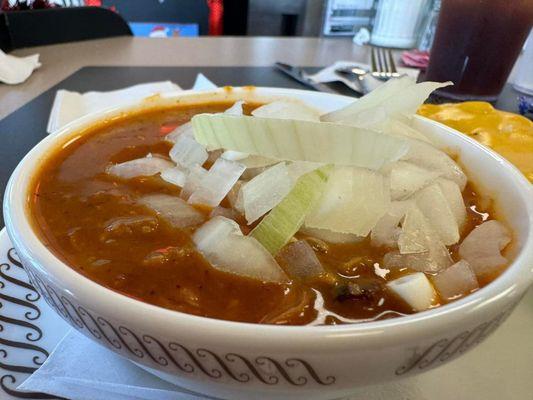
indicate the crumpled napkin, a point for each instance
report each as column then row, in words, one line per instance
column 79, row 369
column 15, row 70
column 369, row 83
column 69, row 106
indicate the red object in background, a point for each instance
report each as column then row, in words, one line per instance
column 95, row 3
column 216, row 10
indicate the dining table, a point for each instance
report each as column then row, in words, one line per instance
column 499, row 368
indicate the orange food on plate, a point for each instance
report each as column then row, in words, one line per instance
column 509, row 134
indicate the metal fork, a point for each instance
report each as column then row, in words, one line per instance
column 382, row 64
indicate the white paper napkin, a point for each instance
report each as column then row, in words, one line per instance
column 79, row 369
column 69, row 106
column 328, row 74
column 15, row 70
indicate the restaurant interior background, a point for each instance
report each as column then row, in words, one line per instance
column 64, row 60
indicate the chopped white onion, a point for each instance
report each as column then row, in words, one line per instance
column 423, row 262
column 146, row 166
column 420, row 246
column 235, row 197
column 331, row 237
column 407, row 178
column 298, row 168
column 435, row 207
column 300, row 261
column 387, row 231
column 287, row 109
column 415, row 289
column 265, row 191
column 182, row 130
column 213, row 232
column 482, row 247
column 453, row 195
column 396, row 127
column 231, row 155
column 235, row 109
column 416, row 234
column 193, row 181
column 455, row 281
column 175, row 175
column 188, row 152
column 224, row 212
column 398, row 97
column 253, row 161
column 353, row 202
column 216, row 184
column 221, row 242
column 173, row 210
column 426, row 156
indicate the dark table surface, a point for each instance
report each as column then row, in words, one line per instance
column 25, row 127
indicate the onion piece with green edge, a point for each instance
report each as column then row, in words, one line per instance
column 397, row 97
column 293, row 140
column 393, row 87
column 188, row 152
column 216, row 184
column 280, row 225
column 331, row 237
column 146, row 166
column 353, row 202
column 287, row 109
column 415, row 289
column 175, row 175
column 265, row 191
column 221, row 242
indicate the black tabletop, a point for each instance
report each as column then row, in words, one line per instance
column 24, row 128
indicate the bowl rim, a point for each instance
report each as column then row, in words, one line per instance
column 96, row 297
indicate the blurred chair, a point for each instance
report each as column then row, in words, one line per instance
column 58, row 25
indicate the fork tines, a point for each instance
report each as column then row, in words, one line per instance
column 382, row 63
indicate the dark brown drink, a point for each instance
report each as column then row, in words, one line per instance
column 476, row 45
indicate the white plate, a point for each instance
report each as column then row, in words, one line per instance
column 29, row 329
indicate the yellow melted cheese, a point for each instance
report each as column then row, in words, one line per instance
column 509, row 134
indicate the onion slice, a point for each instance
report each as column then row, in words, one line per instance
column 216, row 183
column 221, row 242
column 455, row 281
column 353, row 202
column 280, row 225
column 146, row 166
column 287, row 109
column 265, row 191
column 482, row 247
column 415, row 289
column 173, row 210
column 298, row 140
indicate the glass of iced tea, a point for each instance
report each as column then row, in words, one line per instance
column 476, row 45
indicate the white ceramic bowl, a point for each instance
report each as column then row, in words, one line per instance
column 238, row 360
